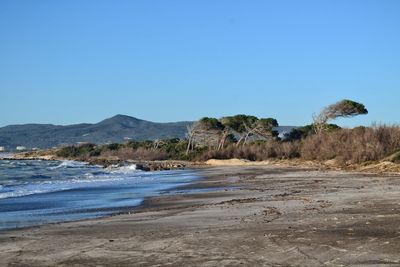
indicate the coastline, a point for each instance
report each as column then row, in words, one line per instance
column 144, row 165
column 385, row 166
column 52, row 191
column 260, row 215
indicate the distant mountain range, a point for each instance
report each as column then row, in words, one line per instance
column 118, row 129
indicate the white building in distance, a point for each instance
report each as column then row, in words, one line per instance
column 20, row 148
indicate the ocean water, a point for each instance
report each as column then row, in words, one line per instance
column 39, row 192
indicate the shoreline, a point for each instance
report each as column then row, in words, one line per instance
column 376, row 167
column 264, row 216
column 155, row 183
column 144, row 165
column 145, row 204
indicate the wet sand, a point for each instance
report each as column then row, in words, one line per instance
column 257, row 216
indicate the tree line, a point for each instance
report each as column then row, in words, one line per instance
column 235, row 136
column 216, row 133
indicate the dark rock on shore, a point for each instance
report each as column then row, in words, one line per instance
column 140, row 165
column 107, row 162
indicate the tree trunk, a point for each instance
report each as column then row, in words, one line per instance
column 188, row 146
column 191, row 132
column 221, row 144
column 246, row 137
column 240, row 140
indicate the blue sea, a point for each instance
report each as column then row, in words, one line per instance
column 39, row 192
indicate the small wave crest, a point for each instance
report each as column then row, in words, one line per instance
column 123, row 169
column 69, row 164
column 20, row 193
column 67, row 175
column 56, row 186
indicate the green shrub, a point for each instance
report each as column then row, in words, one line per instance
column 81, row 151
column 114, row 146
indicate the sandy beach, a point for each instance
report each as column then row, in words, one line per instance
column 254, row 216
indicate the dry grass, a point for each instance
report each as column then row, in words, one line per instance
column 348, row 146
column 341, row 146
column 345, row 146
column 256, row 151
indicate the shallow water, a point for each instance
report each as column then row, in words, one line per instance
column 38, row 192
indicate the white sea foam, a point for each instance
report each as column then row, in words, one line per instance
column 114, row 176
column 58, row 185
column 24, row 192
column 36, row 191
column 71, row 175
column 123, row 169
column 69, row 164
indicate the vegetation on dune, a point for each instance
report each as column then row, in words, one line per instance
column 218, row 133
column 81, row 151
column 138, row 150
column 395, row 158
column 247, row 126
column 345, row 108
column 356, row 145
column 345, row 146
column 248, row 137
column 307, row 130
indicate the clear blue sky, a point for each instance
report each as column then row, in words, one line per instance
column 71, row 61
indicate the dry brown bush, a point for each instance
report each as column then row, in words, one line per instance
column 346, row 146
column 356, row 145
column 256, row 151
